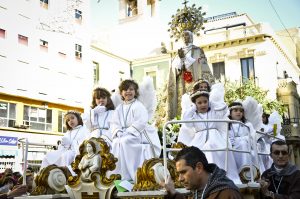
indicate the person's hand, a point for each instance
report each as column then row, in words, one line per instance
column 169, row 186
column 181, row 53
column 232, row 140
column 17, row 191
column 99, row 109
column 119, row 133
column 65, row 142
column 264, row 185
column 85, row 165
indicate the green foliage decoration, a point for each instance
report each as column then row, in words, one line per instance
column 237, row 90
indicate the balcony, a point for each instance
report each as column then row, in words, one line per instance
column 229, row 33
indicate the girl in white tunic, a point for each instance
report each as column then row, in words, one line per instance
column 187, row 134
column 210, row 135
column 97, row 118
column 239, row 135
column 134, row 140
column 70, row 143
column 240, row 140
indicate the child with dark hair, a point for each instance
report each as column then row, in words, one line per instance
column 71, row 141
column 210, row 135
column 242, row 137
column 134, row 140
column 97, row 118
column 201, row 85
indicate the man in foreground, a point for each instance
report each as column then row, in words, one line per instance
column 282, row 180
column 206, row 181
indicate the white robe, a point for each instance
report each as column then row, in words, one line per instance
column 68, row 149
column 130, row 145
column 239, row 136
column 211, row 135
column 264, row 143
column 99, row 124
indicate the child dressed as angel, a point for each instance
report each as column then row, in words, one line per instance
column 211, row 135
column 134, row 140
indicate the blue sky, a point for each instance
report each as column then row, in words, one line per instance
column 105, row 13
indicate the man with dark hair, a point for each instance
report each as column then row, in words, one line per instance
column 282, row 180
column 206, row 181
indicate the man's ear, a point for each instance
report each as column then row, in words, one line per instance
column 199, row 167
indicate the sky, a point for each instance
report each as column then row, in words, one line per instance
column 105, row 13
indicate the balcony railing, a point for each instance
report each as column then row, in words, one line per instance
column 222, row 35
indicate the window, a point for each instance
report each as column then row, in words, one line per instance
column 150, row 8
column 219, row 70
column 2, row 33
column 44, row 4
column 43, row 45
column 23, row 40
column 96, row 72
column 152, row 74
column 131, row 8
column 37, row 118
column 61, row 123
column 7, row 114
column 78, row 16
column 286, row 115
column 247, row 65
column 78, row 51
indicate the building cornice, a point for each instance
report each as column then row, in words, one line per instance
column 30, row 131
column 234, row 42
column 110, row 54
column 37, row 103
column 150, row 60
column 248, row 40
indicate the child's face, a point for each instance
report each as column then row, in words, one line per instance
column 102, row 101
column 203, row 86
column 202, row 104
column 129, row 93
column 72, row 120
column 237, row 113
column 264, row 119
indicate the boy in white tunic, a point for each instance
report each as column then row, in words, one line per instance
column 134, row 140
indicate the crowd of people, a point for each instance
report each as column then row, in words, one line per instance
column 11, row 183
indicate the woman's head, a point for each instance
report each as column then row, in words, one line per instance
column 128, row 89
column 237, row 111
column 101, row 97
column 73, row 119
column 90, row 145
column 201, row 100
column 201, row 85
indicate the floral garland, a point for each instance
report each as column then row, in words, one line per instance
column 187, row 76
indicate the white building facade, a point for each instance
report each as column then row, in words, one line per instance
column 46, row 69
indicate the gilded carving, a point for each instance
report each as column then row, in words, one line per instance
column 146, row 179
column 107, row 164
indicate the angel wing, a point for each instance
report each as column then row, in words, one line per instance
column 253, row 112
column 186, row 103
column 116, row 98
column 216, row 96
column 148, row 96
